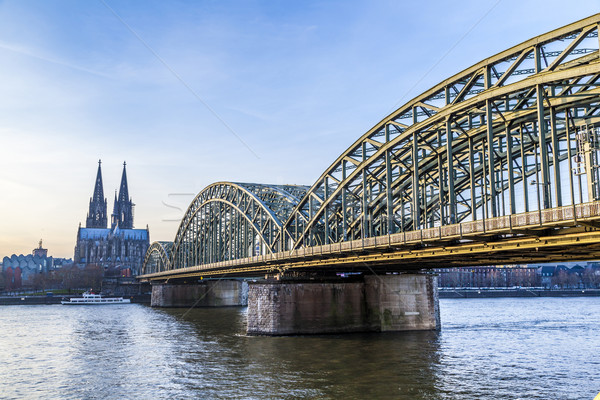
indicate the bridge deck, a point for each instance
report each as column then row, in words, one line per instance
column 557, row 234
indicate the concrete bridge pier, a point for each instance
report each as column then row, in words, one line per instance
column 377, row 303
column 209, row 293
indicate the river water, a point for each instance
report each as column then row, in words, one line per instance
column 512, row 348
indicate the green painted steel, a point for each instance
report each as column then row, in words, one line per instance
column 229, row 221
column 459, row 151
column 495, row 140
column 158, row 258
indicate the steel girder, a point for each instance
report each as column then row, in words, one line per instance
column 233, row 220
column 515, row 132
column 157, row 258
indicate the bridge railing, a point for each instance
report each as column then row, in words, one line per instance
column 525, row 222
column 504, row 224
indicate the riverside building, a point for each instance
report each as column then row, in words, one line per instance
column 19, row 270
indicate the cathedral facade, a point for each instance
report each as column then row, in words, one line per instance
column 119, row 246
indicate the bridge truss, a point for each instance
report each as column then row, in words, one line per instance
column 514, row 134
column 158, row 258
column 229, row 221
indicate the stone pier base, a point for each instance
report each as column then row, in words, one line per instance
column 206, row 294
column 406, row 302
column 378, row 303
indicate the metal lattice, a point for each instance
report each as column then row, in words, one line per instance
column 497, row 139
column 513, row 134
column 157, row 258
column 228, row 221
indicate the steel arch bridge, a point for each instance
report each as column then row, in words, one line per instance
column 227, row 221
column 157, row 258
column 505, row 150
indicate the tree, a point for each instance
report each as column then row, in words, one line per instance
column 69, row 277
column 53, row 279
column 561, row 279
column 38, row 282
column 591, row 277
column 72, row 277
column 573, row 280
column 92, row 276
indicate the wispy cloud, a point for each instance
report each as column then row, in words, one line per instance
column 181, row 80
column 37, row 55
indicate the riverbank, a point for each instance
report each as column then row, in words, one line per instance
column 37, row 300
column 443, row 294
column 490, row 293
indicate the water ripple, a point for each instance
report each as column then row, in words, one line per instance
column 542, row 348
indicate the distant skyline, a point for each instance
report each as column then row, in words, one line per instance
column 193, row 92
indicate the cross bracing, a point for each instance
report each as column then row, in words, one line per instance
column 512, row 136
column 469, row 148
column 233, row 220
column 157, row 258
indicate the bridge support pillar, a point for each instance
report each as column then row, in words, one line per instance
column 205, row 294
column 407, row 302
column 377, row 303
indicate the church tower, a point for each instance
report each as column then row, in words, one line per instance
column 96, row 217
column 123, row 209
column 120, row 249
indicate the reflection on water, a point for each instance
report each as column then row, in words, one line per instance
column 336, row 366
column 542, row 348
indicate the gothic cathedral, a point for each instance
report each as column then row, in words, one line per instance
column 121, row 246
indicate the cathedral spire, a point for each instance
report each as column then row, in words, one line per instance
column 123, row 208
column 96, row 217
column 123, row 190
column 98, row 188
column 114, row 218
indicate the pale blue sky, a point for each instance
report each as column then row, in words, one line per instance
column 297, row 81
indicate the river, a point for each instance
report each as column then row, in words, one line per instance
column 507, row 348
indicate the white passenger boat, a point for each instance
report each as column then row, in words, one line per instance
column 94, row 299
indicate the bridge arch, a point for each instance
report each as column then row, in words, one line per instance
column 518, row 132
column 498, row 138
column 158, row 258
column 228, row 220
